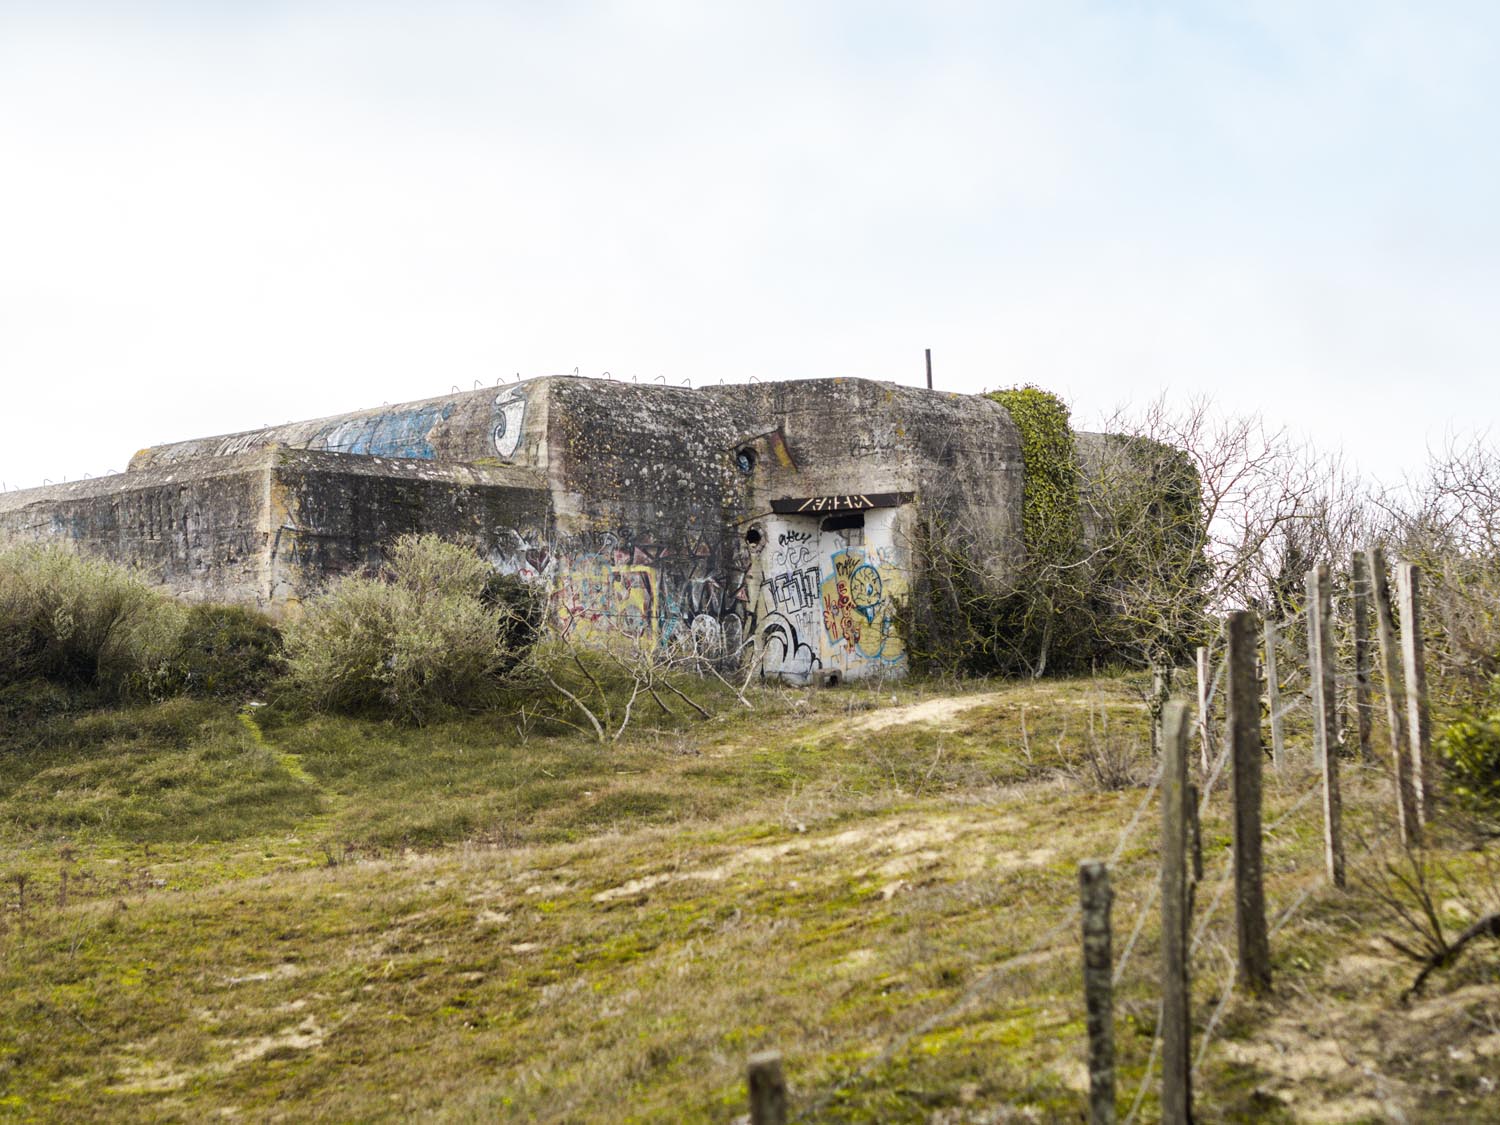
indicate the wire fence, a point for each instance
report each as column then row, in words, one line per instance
column 1307, row 681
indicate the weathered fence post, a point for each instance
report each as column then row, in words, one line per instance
column 1325, row 721
column 768, row 1100
column 1242, row 730
column 1320, row 664
column 1273, row 698
column 1204, row 678
column 1176, row 1035
column 1390, row 663
column 1419, row 730
column 1359, row 583
column 1195, row 838
column 1098, row 967
column 1161, row 690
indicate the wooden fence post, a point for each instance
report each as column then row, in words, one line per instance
column 1176, row 1035
column 1359, row 582
column 1325, row 721
column 1419, row 730
column 768, row 1100
column 1390, row 663
column 1195, row 840
column 1161, row 691
column 1320, row 664
column 1098, row 967
column 1242, row 730
column 1273, row 698
column 1204, row 680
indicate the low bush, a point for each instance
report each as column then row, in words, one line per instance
column 1471, row 751
column 434, row 633
column 81, row 622
column 222, row 650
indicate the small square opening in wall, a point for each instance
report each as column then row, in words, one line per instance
column 848, row 526
column 844, row 521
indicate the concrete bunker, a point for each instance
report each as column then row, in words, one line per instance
column 770, row 522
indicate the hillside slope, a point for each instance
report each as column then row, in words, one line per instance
column 211, row 912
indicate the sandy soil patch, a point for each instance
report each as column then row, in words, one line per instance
column 928, row 711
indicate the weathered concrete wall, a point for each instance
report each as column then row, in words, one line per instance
column 199, row 533
column 332, row 514
column 828, row 587
column 270, row 526
column 647, row 504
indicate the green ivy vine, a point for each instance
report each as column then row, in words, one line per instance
column 1050, row 527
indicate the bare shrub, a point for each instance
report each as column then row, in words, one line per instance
column 601, row 688
column 1448, row 522
column 1439, row 910
column 1107, row 760
column 1185, row 513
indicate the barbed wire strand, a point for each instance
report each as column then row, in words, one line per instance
column 1302, row 800
column 1233, row 977
column 1223, row 1002
column 1213, row 1019
column 1135, row 932
column 1140, row 1091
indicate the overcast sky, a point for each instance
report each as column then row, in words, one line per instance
column 215, row 216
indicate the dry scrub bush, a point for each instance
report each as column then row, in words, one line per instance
column 1448, row 522
column 82, row 622
column 434, row 633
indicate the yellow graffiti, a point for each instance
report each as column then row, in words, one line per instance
column 594, row 599
column 859, row 600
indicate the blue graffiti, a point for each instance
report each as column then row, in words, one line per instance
column 396, row 433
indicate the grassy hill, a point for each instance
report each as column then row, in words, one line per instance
column 210, row 911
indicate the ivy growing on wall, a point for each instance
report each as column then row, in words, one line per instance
column 1050, row 526
column 1113, row 563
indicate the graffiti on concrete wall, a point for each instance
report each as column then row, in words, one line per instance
column 593, row 598
column 859, row 607
column 791, row 604
column 510, row 415
column 618, row 583
column 390, row 433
